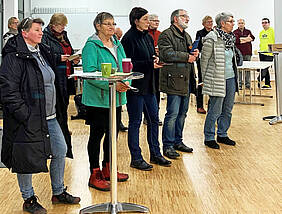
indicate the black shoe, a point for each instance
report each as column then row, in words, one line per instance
column 212, row 144
column 65, row 198
column 122, row 128
column 171, row 153
column 141, row 164
column 32, row 206
column 160, row 160
column 225, row 140
column 183, row 148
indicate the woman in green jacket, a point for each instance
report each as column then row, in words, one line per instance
column 102, row 47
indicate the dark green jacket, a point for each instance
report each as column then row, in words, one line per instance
column 178, row 74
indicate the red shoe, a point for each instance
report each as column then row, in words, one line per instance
column 98, row 181
column 201, row 110
column 120, row 176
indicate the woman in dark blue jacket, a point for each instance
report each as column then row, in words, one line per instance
column 139, row 46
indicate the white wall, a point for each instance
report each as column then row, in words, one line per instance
column 10, row 9
column 251, row 10
column 80, row 26
column 278, row 21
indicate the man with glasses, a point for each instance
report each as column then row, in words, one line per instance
column 244, row 37
column 207, row 22
column 266, row 37
column 12, row 25
column 177, row 79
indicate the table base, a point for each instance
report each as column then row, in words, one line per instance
column 114, row 208
column 273, row 119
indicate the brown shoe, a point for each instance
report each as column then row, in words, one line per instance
column 98, row 181
column 201, row 111
column 120, row 176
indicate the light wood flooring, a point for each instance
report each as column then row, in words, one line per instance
column 246, row 178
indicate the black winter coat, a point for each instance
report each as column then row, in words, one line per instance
column 139, row 46
column 64, row 86
column 26, row 142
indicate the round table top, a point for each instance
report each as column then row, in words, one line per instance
column 113, row 78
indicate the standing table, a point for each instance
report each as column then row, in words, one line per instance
column 114, row 206
column 252, row 66
column 278, row 85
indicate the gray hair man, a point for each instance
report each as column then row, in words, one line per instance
column 177, row 80
column 244, row 37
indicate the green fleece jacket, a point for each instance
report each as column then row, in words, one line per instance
column 96, row 92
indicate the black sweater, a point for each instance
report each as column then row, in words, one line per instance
column 139, row 46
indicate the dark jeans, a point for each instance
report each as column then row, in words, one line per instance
column 135, row 107
column 158, row 96
column 176, row 112
column 98, row 128
column 265, row 72
column 199, row 95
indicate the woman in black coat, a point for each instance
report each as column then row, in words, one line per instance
column 139, row 46
column 55, row 37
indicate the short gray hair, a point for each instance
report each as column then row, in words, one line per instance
column 175, row 14
column 153, row 17
column 224, row 16
column 100, row 19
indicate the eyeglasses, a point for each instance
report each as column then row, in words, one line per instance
column 264, row 22
column 109, row 24
column 155, row 20
column 231, row 21
column 185, row 16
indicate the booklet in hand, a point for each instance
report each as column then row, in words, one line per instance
column 75, row 55
column 195, row 45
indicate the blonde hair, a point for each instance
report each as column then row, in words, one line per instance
column 58, row 19
column 206, row 18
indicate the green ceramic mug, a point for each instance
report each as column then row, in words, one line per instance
column 106, row 69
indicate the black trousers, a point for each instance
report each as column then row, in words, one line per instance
column 199, row 95
column 98, row 119
column 265, row 72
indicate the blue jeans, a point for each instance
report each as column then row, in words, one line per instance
column 219, row 110
column 135, row 105
column 57, row 165
column 176, row 112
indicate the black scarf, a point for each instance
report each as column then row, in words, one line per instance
column 228, row 38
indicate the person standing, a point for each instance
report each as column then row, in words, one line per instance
column 244, row 38
column 56, row 37
column 31, row 132
column 177, row 80
column 219, row 69
column 118, row 34
column 139, row 46
column 207, row 22
column 266, row 37
column 12, row 25
column 101, row 47
column 155, row 33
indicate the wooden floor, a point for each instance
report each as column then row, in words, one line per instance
column 246, row 178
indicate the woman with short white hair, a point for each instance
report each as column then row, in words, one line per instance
column 219, row 70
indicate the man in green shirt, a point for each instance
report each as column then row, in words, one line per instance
column 266, row 37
